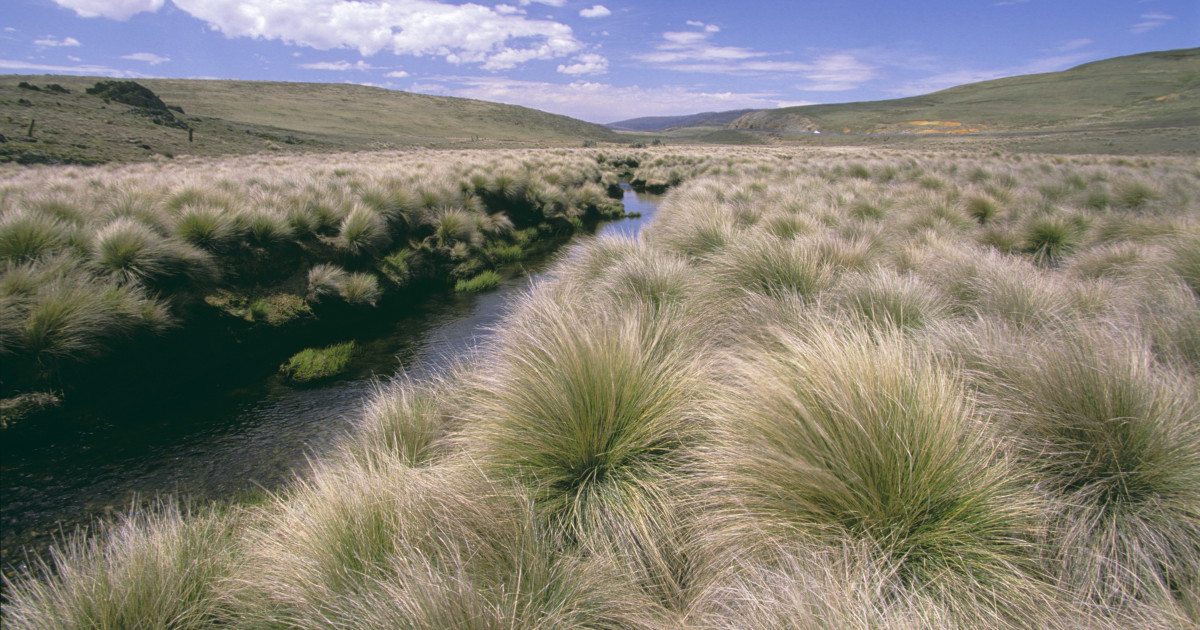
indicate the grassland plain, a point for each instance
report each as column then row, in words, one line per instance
column 823, row 389
column 100, row 261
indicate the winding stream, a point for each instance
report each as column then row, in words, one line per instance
column 220, row 440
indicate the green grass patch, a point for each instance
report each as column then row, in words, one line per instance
column 505, row 254
column 482, row 282
column 315, row 364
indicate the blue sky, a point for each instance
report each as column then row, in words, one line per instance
column 601, row 62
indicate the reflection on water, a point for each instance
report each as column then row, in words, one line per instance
column 216, row 440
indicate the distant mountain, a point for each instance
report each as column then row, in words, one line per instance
column 667, row 123
column 1158, row 89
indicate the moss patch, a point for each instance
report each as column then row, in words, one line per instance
column 482, row 282
column 315, row 364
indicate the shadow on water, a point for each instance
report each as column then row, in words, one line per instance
column 228, row 434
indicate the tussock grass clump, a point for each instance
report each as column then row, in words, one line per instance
column 325, row 280
column 1184, row 259
column 210, row 228
column 832, row 436
column 67, row 319
column 708, row 229
column 1134, row 194
column 774, row 267
column 132, row 251
column 360, row 289
column 886, row 298
column 1048, row 239
column 153, row 569
column 1115, row 441
column 25, row 236
column 363, row 231
column 592, row 412
column 266, row 228
column 405, row 420
column 650, row 280
column 391, row 546
column 454, row 225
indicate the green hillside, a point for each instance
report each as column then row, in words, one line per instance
column 1160, row 89
column 240, row 117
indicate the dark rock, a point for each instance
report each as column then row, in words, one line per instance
column 145, row 102
column 129, row 93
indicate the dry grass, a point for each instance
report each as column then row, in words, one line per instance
column 823, row 390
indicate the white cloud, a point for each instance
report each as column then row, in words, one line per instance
column 1150, row 21
column 339, row 65
column 600, row 102
column 835, row 72
column 50, row 40
column 588, row 63
column 87, row 70
column 553, row 3
column 149, row 58
column 597, row 11
column 495, row 38
column 396, row 74
column 113, row 9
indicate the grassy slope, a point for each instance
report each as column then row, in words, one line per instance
column 1148, row 90
column 242, row 117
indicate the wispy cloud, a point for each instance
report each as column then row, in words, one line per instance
column 340, row 66
column 146, row 57
column 1074, row 44
column 397, row 74
column 589, row 63
column 597, row 11
column 694, row 51
column 1150, row 21
column 679, row 48
column 85, row 69
column 52, row 41
column 600, row 102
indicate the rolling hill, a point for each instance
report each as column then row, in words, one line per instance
column 240, row 117
column 1159, row 89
